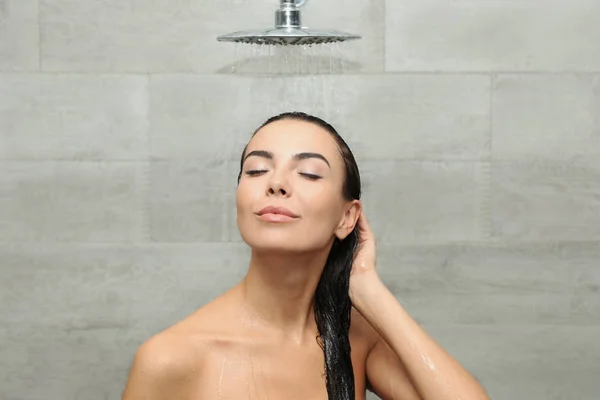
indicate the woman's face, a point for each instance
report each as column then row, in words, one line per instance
column 295, row 168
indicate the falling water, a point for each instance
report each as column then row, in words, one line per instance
column 292, row 78
column 271, row 79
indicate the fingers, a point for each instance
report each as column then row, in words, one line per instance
column 363, row 225
column 362, row 220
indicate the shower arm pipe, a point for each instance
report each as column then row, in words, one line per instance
column 295, row 3
column 288, row 15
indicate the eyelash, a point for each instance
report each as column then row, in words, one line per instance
column 259, row 172
column 255, row 172
column 312, row 177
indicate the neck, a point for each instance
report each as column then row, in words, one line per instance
column 279, row 290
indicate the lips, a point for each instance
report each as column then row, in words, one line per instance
column 277, row 211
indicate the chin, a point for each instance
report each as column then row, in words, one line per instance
column 277, row 242
column 281, row 238
column 268, row 240
column 280, row 243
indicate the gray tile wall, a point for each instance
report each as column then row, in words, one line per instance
column 477, row 128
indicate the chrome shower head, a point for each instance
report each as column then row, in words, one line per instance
column 288, row 30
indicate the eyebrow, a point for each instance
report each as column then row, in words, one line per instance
column 298, row 157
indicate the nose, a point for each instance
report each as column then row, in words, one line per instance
column 278, row 186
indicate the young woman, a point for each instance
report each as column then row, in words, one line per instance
column 311, row 319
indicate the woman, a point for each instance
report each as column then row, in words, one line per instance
column 311, row 295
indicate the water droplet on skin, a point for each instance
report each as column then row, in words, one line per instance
column 219, row 390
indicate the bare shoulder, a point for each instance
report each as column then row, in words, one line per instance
column 159, row 365
column 164, row 364
column 168, row 364
column 170, row 352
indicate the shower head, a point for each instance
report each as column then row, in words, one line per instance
column 287, row 36
column 288, row 30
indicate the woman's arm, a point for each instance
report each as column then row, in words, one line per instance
column 404, row 349
column 434, row 374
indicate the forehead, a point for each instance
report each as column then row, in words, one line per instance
column 285, row 138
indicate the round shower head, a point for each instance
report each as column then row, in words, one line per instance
column 288, row 30
column 288, row 36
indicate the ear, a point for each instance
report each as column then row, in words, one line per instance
column 349, row 219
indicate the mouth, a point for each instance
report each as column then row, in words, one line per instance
column 277, row 214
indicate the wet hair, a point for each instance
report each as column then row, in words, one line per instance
column 332, row 304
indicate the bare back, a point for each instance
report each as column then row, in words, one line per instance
column 217, row 353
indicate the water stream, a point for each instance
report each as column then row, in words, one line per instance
column 271, row 79
column 292, row 78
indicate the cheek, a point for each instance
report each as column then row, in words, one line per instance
column 325, row 208
column 246, row 197
column 241, row 199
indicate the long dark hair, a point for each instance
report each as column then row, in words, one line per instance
column 332, row 301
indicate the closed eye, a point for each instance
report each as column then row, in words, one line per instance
column 256, row 172
column 310, row 176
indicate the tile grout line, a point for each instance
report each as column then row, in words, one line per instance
column 236, row 160
column 350, row 73
column 453, row 243
column 385, row 33
column 145, row 179
column 39, row 21
column 489, row 228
